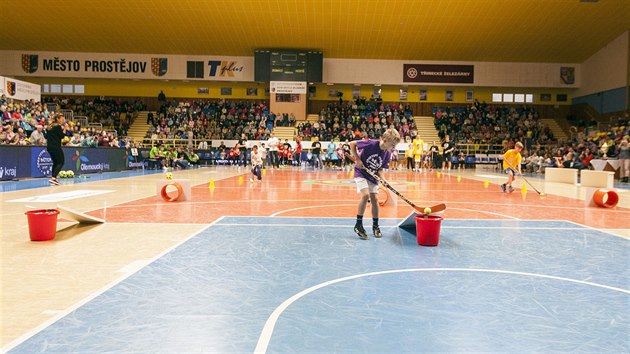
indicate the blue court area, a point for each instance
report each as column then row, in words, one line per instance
column 296, row 285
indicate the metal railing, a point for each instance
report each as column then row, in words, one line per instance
column 97, row 126
column 472, row 149
column 82, row 120
column 67, row 113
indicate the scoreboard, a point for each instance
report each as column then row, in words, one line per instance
column 288, row 65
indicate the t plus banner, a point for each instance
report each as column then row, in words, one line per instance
column 438, row 73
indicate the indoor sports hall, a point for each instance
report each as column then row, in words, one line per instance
column 145, row 258
column 274, row 266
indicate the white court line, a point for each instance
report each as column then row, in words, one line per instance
column 63, row 196
column 267, row 331
column 309, row 207
column 602, row 230
column 62, row 313
column 159, row 203
column 487, row 212
column 393, row 226
column 489, row 176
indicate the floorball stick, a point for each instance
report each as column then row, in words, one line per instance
column 433, row 209
column 523, row 177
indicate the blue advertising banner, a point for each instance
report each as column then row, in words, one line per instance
column 86, row 160
column 41, row 163
column 10, row 166
column 35, row 162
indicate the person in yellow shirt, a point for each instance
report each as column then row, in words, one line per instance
column 417, row 155
column 409, row 155
column 512, row 166
column 418, row 150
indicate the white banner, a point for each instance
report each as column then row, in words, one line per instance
column 287, row 87
column 20, row 90
column 127, row 66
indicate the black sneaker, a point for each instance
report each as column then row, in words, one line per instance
column 377, row 231
column 361, row 232
column 503, row 187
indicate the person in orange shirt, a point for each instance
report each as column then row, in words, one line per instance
column 512, row 166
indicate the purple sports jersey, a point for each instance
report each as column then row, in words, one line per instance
column 372, row 157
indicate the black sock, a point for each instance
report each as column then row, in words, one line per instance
column 374, row 221
column 359, row 220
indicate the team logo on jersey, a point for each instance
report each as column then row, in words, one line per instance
column 374, row 162
column 30, row 62
column 159, row 66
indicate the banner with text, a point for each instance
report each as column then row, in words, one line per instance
column 437, row 73
column 20, row 90
column 127, row 66
column 287, row 87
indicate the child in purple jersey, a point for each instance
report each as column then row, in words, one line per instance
column 373, row 155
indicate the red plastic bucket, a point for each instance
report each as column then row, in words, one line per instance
column 42, row 224
column 428, row 229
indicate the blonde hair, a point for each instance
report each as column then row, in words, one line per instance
column 391, row 135
column 518, row 144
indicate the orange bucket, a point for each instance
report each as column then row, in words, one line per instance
column 428, row 229
column 42, row 224
column 606, row 198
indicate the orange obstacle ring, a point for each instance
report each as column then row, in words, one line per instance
column 605, row 198
column 386, row 199
column 168, row 198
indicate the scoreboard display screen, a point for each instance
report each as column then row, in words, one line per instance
column 288, row 65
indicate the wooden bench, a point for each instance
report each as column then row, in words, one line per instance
column 600, row 179
column 561, row 175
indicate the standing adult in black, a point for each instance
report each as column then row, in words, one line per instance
column 447, row 153
column 242, row 147
column 435, row 156
column 55, row 132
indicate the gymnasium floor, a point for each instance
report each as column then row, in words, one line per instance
column 274, row 266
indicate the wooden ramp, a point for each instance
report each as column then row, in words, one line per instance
column 70, row 214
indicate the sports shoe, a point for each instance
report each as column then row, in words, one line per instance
column 511, row 189
column 377, row 231
column 251, row 180
column 360, row 231
column 54, row 181
column 503, row 187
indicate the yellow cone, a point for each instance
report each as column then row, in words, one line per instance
column 524, row 189
column 264, row 172
column 459, row 178
column 485, row 184
column 438, row 175
column 211, row 184
column 240, row 179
